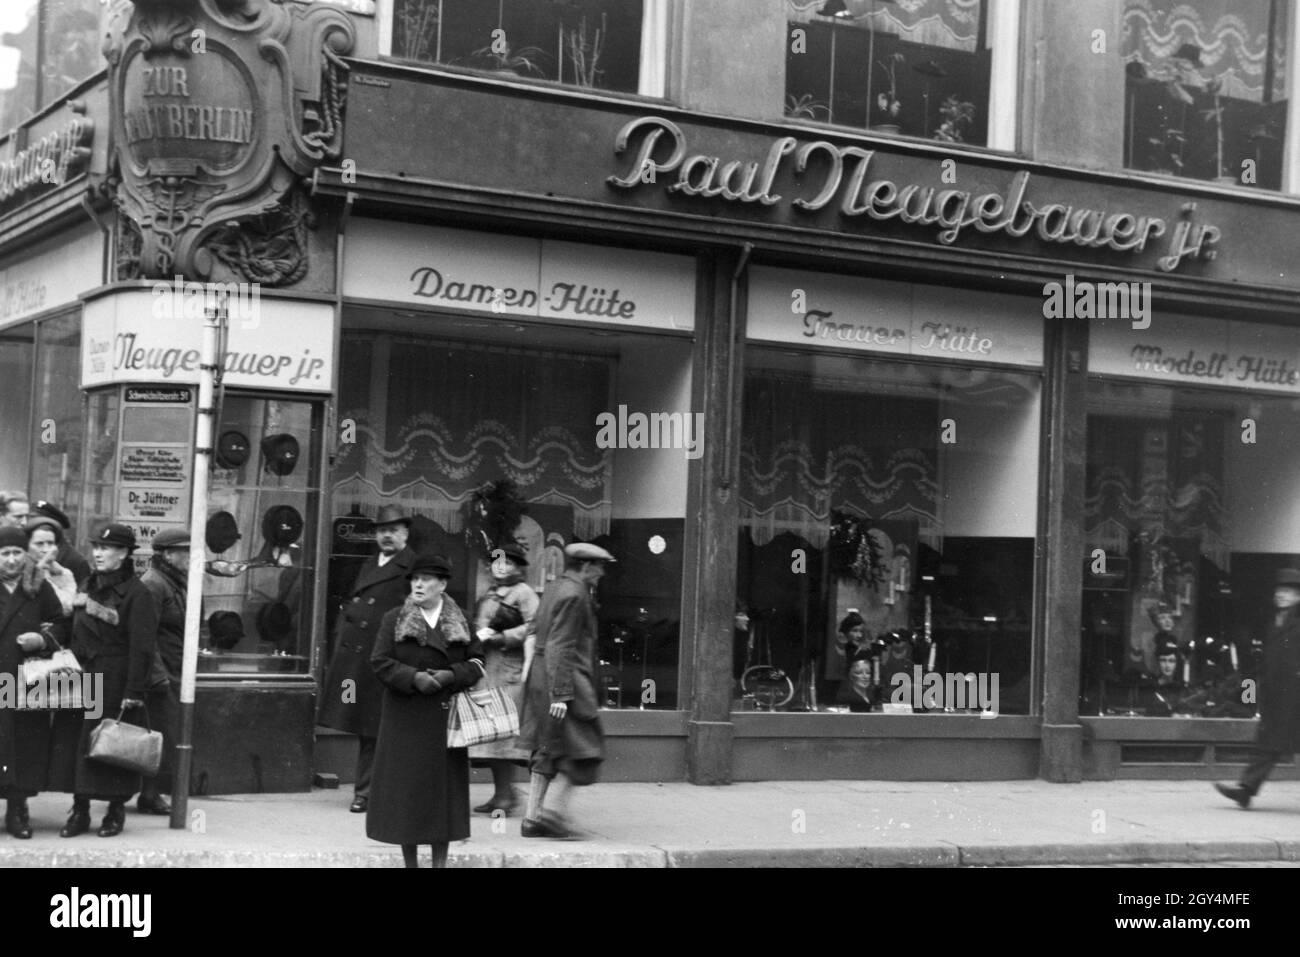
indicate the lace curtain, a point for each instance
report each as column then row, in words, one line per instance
column 951, row 24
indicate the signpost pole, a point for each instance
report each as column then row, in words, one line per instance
column 209, row 364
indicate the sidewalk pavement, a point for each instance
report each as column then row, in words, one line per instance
column 779, row 823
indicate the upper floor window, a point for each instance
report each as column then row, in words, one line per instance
column 1206, row 88
column 936, row 69
column 600, row 44
column 46, row 48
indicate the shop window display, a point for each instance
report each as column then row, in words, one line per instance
column 17, row 356
column 1186, row 526
column 494, row 436
column 589, row 43
column 870, row 545
column 919, row 68
column 57, row 456
column 1205, row 89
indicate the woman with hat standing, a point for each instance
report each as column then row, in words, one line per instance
column 114, row 629
column 25, row 605
column 424, row 653
column 504, row 616
column 44, row 539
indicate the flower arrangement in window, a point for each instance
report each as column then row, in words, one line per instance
column 887, row 105
column 957, row 115
column 853, row 552
column 584, row 50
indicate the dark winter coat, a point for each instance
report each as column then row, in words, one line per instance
column 168, row 589
column 1279, row 688
column 123, row 653
column 354, row 707
column 25, row 735
column 75, row 562
column 419, row 792
column 564, row 669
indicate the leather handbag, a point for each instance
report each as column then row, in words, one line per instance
column 481, row 716
column 128, row 746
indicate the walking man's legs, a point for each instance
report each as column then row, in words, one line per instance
column 365, row 765
column 1252, row 779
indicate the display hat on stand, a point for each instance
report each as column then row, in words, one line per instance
column 232, row 449
column 282, row 525
column 221, row 532
column 225, row 629
column 281, row 453
column 274, row 621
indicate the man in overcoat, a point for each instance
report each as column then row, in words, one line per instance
column 560, row 723
column 1279, row 692
column 351, row 697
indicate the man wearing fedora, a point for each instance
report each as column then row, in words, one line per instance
column 1279, row 692
column 560, row 724
column 351, row 697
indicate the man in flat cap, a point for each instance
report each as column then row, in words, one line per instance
column 560, row 724
column 1279, row 692
column 352, row 696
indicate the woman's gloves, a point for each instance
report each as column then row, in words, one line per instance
column 431, row 682
column 30, row 642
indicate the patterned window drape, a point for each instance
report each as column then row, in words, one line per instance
column 455, row 417
column 1231, row 35
column 807, row 453
column 951, row 24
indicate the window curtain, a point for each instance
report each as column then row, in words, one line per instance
column 1232, row 37
column 808, row 453
column 951, row 24
column 435, row 422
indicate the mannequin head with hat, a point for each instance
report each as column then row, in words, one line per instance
column 14, row 509
column 587, row 561
column 1286, row 589
column 392, row 529
column 111, row 547
column 428, row 577
column 1167, row 662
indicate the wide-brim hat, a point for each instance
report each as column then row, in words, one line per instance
column 430, row 565
column 274, row 621
column 390, row 514
column 282, row 525
column 221, row 531
column 115, row 533
column 171, row 538
column 513, row 551
column 225, row 629
column 281, row 452
column 587, row 552
column 232, row 449
column 46, row 509
column 1287, row 576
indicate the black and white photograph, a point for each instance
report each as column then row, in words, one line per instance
column 658, row 434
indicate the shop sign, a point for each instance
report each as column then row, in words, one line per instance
column 290, row 347
column 50, row 278
column 820, row 310
column 518, row 277
column 658, row 153
column 50, row 161
column 1198, row 351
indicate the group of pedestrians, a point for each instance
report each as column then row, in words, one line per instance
column 404, row 648
column 125, row 635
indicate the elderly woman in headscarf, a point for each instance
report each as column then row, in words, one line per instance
column 424, row 653
column 504, row 617
column 28, row 609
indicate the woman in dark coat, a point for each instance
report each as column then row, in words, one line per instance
column 114, row 629
column 424, row 653
column 26, row 602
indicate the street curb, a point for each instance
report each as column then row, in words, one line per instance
column 1125, row 852
column 923, row 855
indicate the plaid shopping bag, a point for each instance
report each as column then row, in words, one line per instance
column 51, row 691
column 481, row 716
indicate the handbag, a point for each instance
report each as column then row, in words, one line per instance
column 481, row 716
column 39, row 688
column 128, row 746
column 505, row 617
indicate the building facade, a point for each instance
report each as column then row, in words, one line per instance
column 968, row 324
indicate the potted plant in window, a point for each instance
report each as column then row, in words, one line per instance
column 957, row 115
column 584, row 50
column 805, row 107
column 887, row 106
column 523, row 61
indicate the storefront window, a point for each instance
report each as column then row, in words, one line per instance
column 1192, row 507
column 1205, row 89
column 920, row 69
column 263, row 503
column 888, row 515
column 447, row 411
column 99, row 492
column 17, row 356
column 590, row 43
column 46, row 48
column 56, row 455
column 19, row 29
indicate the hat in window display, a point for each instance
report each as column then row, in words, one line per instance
column 221, row 532
column 281, row 453
column 225, row 629
column 275, row 622
column 282, row 525
column 232, row 449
